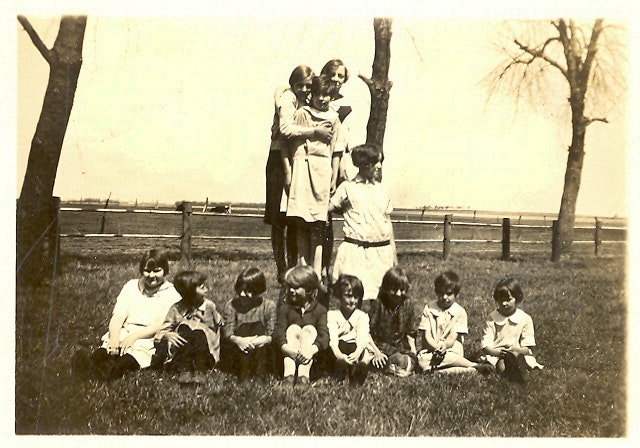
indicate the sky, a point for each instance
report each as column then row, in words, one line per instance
column 179, row 107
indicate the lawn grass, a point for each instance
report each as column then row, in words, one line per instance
column 579, row 308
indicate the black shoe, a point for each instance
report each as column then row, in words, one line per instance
column 162, row 351
column 515, row 368
column 81, row 365
column 485, row 369
column 359, row 373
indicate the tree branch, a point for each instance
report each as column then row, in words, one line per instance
column 588, row 121
column 366, row 80
column 539, row 54
column 592, row 49
column 42, row 48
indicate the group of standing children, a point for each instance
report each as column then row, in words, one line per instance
column 319, row 174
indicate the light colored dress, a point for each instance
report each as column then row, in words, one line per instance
column 366, row 208
column 439, row 324
column 283, row 128
column 353, row 330
column 140, row 310
column 515, row 330
column 311, row 175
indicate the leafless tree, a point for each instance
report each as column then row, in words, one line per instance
column 379, row 84
column 34, row 218
column 586, row 60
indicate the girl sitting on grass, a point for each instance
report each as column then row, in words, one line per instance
column 301, row 329
column 508, row 334
column 392, row 325
column 442, row 328
column 349, row 336
column 138, row 314
column 189, row 339
column 249, row 321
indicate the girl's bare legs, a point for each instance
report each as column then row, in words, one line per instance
column 293, row 344
column 302, row 240
column 308, row 336
column 316, row 240
column 278, row 247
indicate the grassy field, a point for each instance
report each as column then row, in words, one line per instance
column 579, row 308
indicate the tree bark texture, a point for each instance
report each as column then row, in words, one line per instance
column 379, row 84
column 33, row 216
column 577, row 74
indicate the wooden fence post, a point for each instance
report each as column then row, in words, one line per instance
column 185, row 237
column 506, row 238
column 104, row 214
column 555, row 243
column 598, row 237
column 446, row 241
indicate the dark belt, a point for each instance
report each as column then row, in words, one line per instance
column 366, row 244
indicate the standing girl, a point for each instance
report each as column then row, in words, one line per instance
column 249, row 321
column 301, row 329
column 368, row 250
column 508, row 334
column 312, row 173
column 338, row 74
column 287, row 100
column 189, row 340
column 138, row 314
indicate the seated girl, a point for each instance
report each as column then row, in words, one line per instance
column 249, row 320
column 189, row 339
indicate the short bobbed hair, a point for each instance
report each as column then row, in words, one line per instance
column 251, row 280
column 186, row 283
column 321, row 85
column 299, row 74
column 302, row 277
column 506, row 287
column 153, row 259
column 447, row 281
column 395, row 279
column 363, row 155
column 332, row 66
column 352, row 282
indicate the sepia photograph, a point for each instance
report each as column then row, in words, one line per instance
column 361, row 220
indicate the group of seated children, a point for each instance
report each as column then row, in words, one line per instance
column 155, row 324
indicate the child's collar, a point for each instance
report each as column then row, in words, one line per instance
column 361, row 180
column 516, row 317
column 436, row 310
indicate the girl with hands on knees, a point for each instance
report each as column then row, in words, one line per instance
column 301, row 329
column 509, row 334
column 189, row 339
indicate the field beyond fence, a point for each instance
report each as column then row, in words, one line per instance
column 579, row 308
column 415, row 229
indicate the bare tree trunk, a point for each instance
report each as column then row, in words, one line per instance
column 578, row 74
column 572, row 177
column 379, row 84
column 33, row 216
